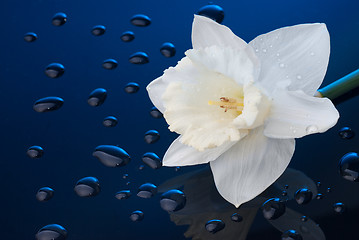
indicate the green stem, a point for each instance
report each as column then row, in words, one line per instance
column 341, row 86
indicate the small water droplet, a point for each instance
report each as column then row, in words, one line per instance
column 139, row 58
column 44, row 194
column 277, row 54
column 48, row 104
column 284, row 193
column 125, row 176
column 312, row 54
column 329, row 190
column 312, row 129
column 264, row 50
column 281, row 65
column 273, row 208
column 132, row 87
column 304, row 218
column 152, row 136
column 127, row 36
column 349, row 166
column 111, row 156
column 109, row 64
column 155, row 113
column 97, row 97
column 52, row 232
column 168, row 49
column 59, row 19
column 55, row 70
column 87, row 187
column 110, row 121
column 236, row 217
column 124, row 194
column 137, row 216
column 286, row 186
column 291, row 235
column 147, row 190
column 256, row 50
column 173, row 200
column 30, row 37
column 299, row 77
column 98, row 30
column 339, row 207
column 152, row 160
column 319, row 196
column 35, row 152
column 141, row 167
column 214, row 226
column 303, row 196
column 346, row 133
column 213, row 12
column 140, row 20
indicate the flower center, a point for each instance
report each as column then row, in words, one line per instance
column 229, row 103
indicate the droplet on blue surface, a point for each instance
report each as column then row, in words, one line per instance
column 140, row 20
column 152, row 136
column 214, row 226
column 286, row 186
column 54, row 70
column 168, row 49
column 329, row 190
column 48, row 104
column 35, row 152
column 87, row 187
column 236, row 217
column 97, row 97
column 137, row 216
column 111, row 156
column 30, row 37
column 291, row 235
column 98, row 30
column 319, row 196
column 139, row 58
column 304, row 218
column 59, row 19
column 44, row 194
column 339, row 207
column 284, row 193
column 110, row 121
column 273, row 208
column 319, row 184
column 177, row 169
column 109, row 64
column 303, row 196
column 346, row 133
column 213, row 12
column 125, row 176
column 173, row 200
column 147, row 190
column 349, row 166
column 132, row 87
column 127, row 36
column 141, row 167
column 152, row 160
column 52, row 232
column 155, row 113
column 124, row 194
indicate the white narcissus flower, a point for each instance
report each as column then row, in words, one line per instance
column 239, row 106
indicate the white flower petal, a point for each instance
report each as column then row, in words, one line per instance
column 206, row 33
column 250, row 166
column 295, row 114
column 179, row 154
column 299, row 53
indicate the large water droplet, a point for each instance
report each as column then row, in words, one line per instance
column 132, row 87
column 109, row 64
column 110, row 121
column 140, row 20
column 97, row 97
column 44, row 194
column 152, row 160
column 173, row 200
column 349, row 166
column 303, row 196
column 339, row 207
column 155, row 113
column 127, row 36
column 291, row 235
column 346, row 133
column 54, row 70
column 236, row 217
column 137, row 216
column 147, row 190
column 59, row 19
column 213, row 12
column 87, row 187
column 51, row 232
column 124, row 194
column 48, row 104
column 111, row 156
column 312, row 129
column 98, row 30
column 139, row 58
column 35, row 152
column 168, row 49
column 152, row 136
column 30, row 37
column 273, row 208
column 214, row 226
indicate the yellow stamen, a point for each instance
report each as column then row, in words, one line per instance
column 229, row 103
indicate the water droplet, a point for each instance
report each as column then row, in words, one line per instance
column 155, row 113
column 273, row 208
column 177, row 169
column 212, row 11
column 168, row 49
column 291, row 235
column 281, row 65
column 339, row 207
column 299, row 77
column 111, row 156
column 59, row 19
column 319, row 184
column 304, row 218
column 349, row 166
column 319, row 196
column 311, row 53
column 137, row 216
column 128, row 183
column 35, row 152
column 48, row 104
column 311, row 129
column 264, row 50
column 139, row 58
column 303, row 196
column 124, row 194
column 346, row 133
column 173, row 200
column 329, row 190
column 98, row 30
column 30, row 37
column 277, row 54
column 286, row 186
column 214, row 226
column 125, row 176
column 147, row 190
column 152, row 160
column 44, row 194
column 110, row 121
column 132, row 87
column 141, row 167
column 54, row 70
column 110, row 64
column 127, row 36
column 140, row 20
column 87, row 187
column 256, row 50
column 152, row 136
column 51, row 232
column 97, row 97
column 284, row 193
column 236, row 217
